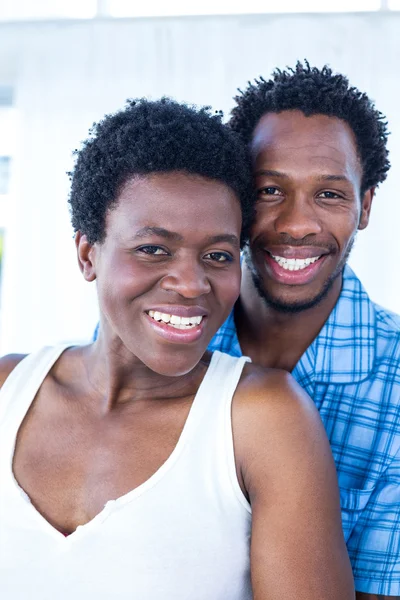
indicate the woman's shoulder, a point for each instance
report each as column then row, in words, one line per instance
column 41, row 357
column 275, row 425
column 270, row 388
column 269, row 403
column 7, row 364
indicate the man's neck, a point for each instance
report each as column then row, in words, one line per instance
column 273, row 338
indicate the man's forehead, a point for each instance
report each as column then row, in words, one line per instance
column 294, row 127
column 291, row 135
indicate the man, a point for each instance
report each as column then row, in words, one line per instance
column 319, row 151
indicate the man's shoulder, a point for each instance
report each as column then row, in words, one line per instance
column 387, row 343
column 387, row 321
column 358, row 337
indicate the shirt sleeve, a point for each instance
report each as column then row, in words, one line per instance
column 374, row 543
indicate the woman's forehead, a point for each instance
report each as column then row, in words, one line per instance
column 176, row 202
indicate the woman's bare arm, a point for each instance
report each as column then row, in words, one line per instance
column 297, row 549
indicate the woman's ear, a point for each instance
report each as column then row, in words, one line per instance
column 86, row 256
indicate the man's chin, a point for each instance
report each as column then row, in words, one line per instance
column 292, row 307
column 289, row 306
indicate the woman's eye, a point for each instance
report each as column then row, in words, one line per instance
column 153, row 250
column 220, row 257
column 269, row 191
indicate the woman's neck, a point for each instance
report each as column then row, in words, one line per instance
column 109, row 375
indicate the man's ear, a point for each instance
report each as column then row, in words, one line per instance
column 86, row 254
column 366, row 204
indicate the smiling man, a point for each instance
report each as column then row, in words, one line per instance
column 319, row 151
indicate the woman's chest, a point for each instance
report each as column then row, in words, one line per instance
column 71, row 465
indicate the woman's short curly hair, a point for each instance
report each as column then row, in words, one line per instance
column 155, row 137
column 318, row 91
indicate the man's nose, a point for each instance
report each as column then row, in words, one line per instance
column 188, row 279
column 298, row 218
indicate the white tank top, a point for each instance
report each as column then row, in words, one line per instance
column 184, row 534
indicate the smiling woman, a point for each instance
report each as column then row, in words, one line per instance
column 179, row 270
column 141, row 466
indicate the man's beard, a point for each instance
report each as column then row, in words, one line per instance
column 299, row 306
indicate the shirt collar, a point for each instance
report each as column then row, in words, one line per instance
column 344, row 350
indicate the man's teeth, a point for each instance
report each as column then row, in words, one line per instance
column 175, row 321
column 294, row 264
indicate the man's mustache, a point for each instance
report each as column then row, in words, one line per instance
column 308, row 241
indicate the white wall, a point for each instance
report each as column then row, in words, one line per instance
column 68, row 75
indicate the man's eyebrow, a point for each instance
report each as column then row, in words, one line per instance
column 333, row 178
column 273, row 173
column 159, row 232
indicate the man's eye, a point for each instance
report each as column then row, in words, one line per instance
column 329, row 195
column 153, row 250
column 220, row 257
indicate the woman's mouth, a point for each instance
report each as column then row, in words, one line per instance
column 176, row 328
column 175, row 321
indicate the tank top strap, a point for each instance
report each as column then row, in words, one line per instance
column 218, row 385
column 229, row 370
column 208, row 430
column 22, row 384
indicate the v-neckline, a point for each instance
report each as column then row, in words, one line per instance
column 131, row 494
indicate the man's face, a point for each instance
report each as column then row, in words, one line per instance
column 308, row 179
column 168, row 271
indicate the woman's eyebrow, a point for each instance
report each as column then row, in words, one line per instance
column 172, row 235
column 271, row 173
column 225, row 237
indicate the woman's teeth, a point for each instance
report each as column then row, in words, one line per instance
column 294, row 264
column 175, row 321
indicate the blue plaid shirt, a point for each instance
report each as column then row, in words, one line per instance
column 352, row 372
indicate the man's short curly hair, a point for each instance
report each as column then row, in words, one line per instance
column 155, row 137
column 318, row 91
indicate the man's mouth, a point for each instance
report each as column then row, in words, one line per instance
column 294, row 264
column 299, row 268
column 175, row 321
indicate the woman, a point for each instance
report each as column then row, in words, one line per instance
column 127, row 471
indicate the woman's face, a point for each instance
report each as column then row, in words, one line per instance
column 168, row 271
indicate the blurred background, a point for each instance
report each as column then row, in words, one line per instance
column 65, row 63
